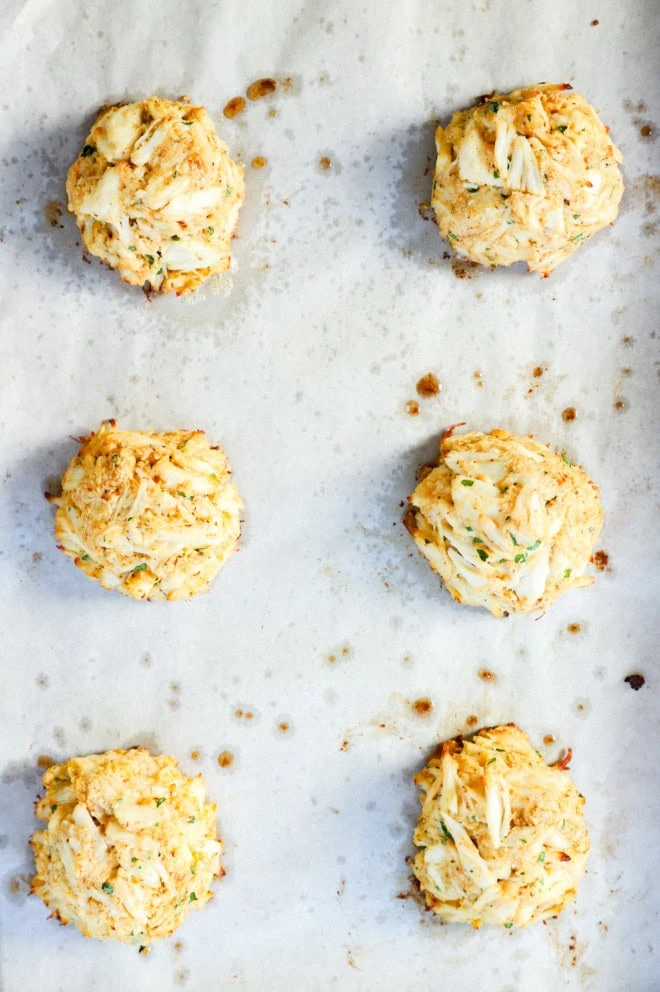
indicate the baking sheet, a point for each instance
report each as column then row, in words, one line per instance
column 300, row 363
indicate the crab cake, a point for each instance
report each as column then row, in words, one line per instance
column 152, row 515
column 508, row 524
column 502, row 835
column 526, row 176
column 130, row 845
column 156, row 194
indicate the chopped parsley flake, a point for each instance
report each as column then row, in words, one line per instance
column 160, row 272
column 191, row 819
column 534, row 546
column 211, row 230
column 133, row 860
column 496, row 174
column 578, row 237
column 467, row 482
column 85, row 558
column 491, row 760
column 567, row 573
column 53, row 807
column 482, row 554
column 141, row 567
column 541, row 856
column 469, row 528
column 576, row 216
column 477, row 540
column 228, row 191
column 513, row 539
column 175, row 237
column 520, row 558
column 192, row 897
column 473, row 189
column 494, row 106
column 150, row 259
column 507, row 926
column 107, row 888
column 159, row 802
column 562, row 128
column 452, row 236
column 132, row 248
column 187, row 123
column 87, row 151
column 443, row 827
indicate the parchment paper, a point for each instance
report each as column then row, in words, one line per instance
column 300, row 364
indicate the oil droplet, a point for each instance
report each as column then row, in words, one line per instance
column 412, row 408
column 538, row 372
column 225, row 759
column 325, row 163
column 283, row 726
column 472, row 720
column 549, row 739
column 428, row 386
column 646, row 131
column 259, row 162
column 422, row 706
column 194, row 755
column 569, row 414
column 487, row 676
column 621, row 404
column 45, row 761
column 261, row 88
column 234, row 107
column 574, row 628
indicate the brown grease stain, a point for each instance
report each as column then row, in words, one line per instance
column 621, row 404
column 225, row 759
column 283, row 726
column 486, row 676
column 234, row 107
column 53, row 212
column 423, row 706
column 412, row 408
column 646, row 131
column 574, row 628
column 472, row 720
column 569, row 414
column 261, row 88
column 478, row 378
column 259, row 162
column 549, row 739
column 600, row 559
column 45, row 761
column 194, row 755
column 538, row 372
column 428, row 386
column 325, row 163
column 462, row 268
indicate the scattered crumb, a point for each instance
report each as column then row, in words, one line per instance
column 259, row 162
column 486, row 676
column 478, row 379
column 53, row 212
column 569, row 414
column 635, row 681
column 600, row 559
column 45, row 761
column 595, row 23
column 412, row 408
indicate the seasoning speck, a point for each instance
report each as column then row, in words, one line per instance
column 412, row 408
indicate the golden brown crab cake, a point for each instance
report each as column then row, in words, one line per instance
column 130, row 845
column 526, row 176
column 508, row 524
column 154, row 516
column 502, row 835
column 156, row 195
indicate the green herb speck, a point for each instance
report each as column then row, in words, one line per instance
column 53, row 807
column 541, row 856
column 443, row 827
column 482, row 554
column 467, row 482
column 191, row 819
column 85, row 558
column 87, row 151
column 192, row 897
column 513, row 539
column 141, row 567
column 534, row 546
column 496, row 174
column 107, row 888
column 150, row 259
column 159, row 802
column 175, row 237
column 494, row 106
column 562, row 128
column 211, row 230
column 228, row 191
column 520, row 558
column 452, row 236
column 567, row 573
column 507, row 926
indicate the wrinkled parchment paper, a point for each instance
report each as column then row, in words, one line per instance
column 300, row 364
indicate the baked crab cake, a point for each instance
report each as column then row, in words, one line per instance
column 156, row 195
column 501, row 834
column 526, row 176
column 130, row 845
column 152, row 515
column 507, row 524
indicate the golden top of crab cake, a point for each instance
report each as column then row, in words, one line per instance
column 525, row 176
column 508, row 524
column 152, row 515
column 502, row 835
column 156, row 194
column 130, row 845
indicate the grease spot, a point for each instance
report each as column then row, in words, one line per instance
column 261, row 88
column 225, row 759
column 549, row 739
column 574, row 628
column 325, row 163
column 423, row 706
column 259, row 162
column 412, row 408
column 234, row 107
column 472, row 720
column 428, row 386
column 486, row 675
column 569, row 414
